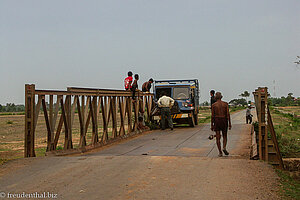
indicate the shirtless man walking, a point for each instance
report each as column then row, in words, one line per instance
column 220, row 121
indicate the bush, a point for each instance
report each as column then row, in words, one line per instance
column 289, row 146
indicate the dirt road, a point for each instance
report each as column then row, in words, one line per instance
column 179, row 164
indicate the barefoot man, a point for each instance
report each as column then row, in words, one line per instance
column 220, row 121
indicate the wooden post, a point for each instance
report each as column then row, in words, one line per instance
column 129, row 114
column 69, row 119
column 260, row 143
column 122, row 115
column 93, row 106
column 80, row 109
column 265, row 128
column 60, row 123
column 29, row 120
column 114, row 117
column 260, row 96
column 104, row 108
column 49, row 147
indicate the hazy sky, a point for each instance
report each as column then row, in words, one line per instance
column 229, row 45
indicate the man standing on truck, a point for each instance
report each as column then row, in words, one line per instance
column 220, row 121
column 165, row 103
column 147, row 85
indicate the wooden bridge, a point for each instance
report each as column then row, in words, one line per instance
column 94, row 106
column 98, row 106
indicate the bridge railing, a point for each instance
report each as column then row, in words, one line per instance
column 102, row 116
column 267, row 145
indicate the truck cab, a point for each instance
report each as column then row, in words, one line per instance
column 186, row 95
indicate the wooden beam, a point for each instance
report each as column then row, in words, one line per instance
column 68, row 109
column 129, row 114
column 82, row 141
column 73, row 109
column 49, row 146
column 64, row 116
column 113, row 107
column 260, row 129
column 93, row 108
column 122, row 106
column 37, row 111
column 58, row 130
column 104, row 109
column 274, row 139
column 29, row 120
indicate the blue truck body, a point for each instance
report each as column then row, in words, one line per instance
column 186, row 95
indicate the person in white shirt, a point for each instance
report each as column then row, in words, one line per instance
column 165, row 103
column 248, row 115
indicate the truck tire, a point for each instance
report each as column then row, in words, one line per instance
column 192, row 121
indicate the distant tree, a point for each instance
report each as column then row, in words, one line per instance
column 246, row 94
column 237, row 102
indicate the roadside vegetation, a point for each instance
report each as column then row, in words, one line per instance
column 290, row 187
column 287, row 128
column 289, row 100
column 11, row 108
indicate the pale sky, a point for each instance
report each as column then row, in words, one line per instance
column 229, row 45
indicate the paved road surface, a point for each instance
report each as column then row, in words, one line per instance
column 179, row 142
column 179, row 164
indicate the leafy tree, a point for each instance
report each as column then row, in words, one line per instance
column 246, row 94
column 237, row 102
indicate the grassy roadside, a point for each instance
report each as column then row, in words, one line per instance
column 20, row 154
column 287, row 129
column 290, row 188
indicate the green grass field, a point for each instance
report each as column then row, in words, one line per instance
column 287, row 128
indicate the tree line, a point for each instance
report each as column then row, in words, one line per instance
column 11, row 107
column 289, row 100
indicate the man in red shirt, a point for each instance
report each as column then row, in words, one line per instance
column 128, row 81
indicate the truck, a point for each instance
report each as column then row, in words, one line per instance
column 186, row 96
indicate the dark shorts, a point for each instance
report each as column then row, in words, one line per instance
column 221, row 124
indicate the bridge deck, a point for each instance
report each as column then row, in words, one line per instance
column 179, row 142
